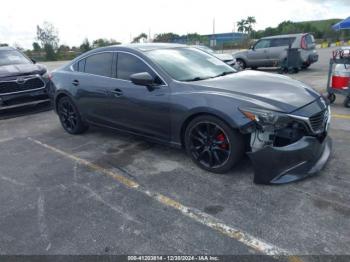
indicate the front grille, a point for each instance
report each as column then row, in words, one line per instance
column 14, row 86
column 318, row 121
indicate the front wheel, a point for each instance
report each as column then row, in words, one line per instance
column 347, row 102
column 242, row 65
column 213, row 145
column 70, row 117
column 331, row 97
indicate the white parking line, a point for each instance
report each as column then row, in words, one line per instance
column 5, row 140
column 193, row 213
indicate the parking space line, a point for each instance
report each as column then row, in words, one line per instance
column 5, row 140
column 193, row 213
column 341, row 116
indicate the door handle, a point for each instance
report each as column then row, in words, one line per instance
column 117, row 92
column 75, row 83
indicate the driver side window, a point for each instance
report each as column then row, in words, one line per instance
column 262, row 44
column 129, row 64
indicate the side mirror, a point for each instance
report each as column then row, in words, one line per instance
column 34, row 62
column 251, row 47
column 142, row 79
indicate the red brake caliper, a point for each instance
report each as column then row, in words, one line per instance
column 221, row 138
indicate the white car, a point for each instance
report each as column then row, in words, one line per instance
column 225, row 57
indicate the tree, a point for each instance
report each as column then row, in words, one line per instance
column 48, row 37
column 250, row 22
column 85, row 46
column 138, row 38
column 18, row 47
column 165, row 37
column 242, row 26
column 36, row 47
column 104, row 42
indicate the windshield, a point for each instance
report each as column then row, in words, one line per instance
column 12, row 57
column 189, row 64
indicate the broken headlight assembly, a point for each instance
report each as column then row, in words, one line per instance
column 265, row 119
column 272, row 128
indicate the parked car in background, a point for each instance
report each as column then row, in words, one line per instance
column 22, row 81
column 225, row 57
column 184, row 97
column 271, row 51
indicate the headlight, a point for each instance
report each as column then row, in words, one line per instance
column 265, row 117
column 46, row 75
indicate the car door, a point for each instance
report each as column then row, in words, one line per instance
column 95, row 78
column 139, row 108
column 258, row 55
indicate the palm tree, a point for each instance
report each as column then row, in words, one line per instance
column 242, row 26
column 250, row 22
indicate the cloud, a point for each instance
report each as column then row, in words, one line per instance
column 333, row 2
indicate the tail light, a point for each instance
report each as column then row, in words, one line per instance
column 303, row 44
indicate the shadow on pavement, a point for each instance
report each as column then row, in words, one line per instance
column 27, row 110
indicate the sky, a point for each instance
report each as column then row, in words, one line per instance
column 123, row 20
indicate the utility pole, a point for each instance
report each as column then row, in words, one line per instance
column 213, row 40
column 214, row 26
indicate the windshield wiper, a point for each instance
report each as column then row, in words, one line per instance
column 197, row 78
column 225, row 73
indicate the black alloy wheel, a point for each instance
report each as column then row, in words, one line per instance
column 331, row 97
column 213, row 145
column 69, row 116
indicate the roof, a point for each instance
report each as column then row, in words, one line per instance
column 151, row 46
column 138, row 47
column 6, row 48
column 283, row 36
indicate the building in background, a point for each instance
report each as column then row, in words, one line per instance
column 217, row 41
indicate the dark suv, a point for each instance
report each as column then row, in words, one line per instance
column 22, row 81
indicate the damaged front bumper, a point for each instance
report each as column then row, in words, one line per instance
column 279, row 165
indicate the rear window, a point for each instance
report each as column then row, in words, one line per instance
column 282, row 41
column 309, row 39
column 99, row 64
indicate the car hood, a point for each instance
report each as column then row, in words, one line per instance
column 21, row 69
column 224, row 57
column 238, row 53
column 265, row 90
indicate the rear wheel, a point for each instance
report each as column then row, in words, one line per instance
column 213, row 145
column 347, row 102
column 70, row 117
column 241, row 63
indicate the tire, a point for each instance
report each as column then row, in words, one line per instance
column 305, row 66
column 70, row 117
column 347, row 102
column 331, row 97
column 217, row 152
column 241, row 63
column 254, row 67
